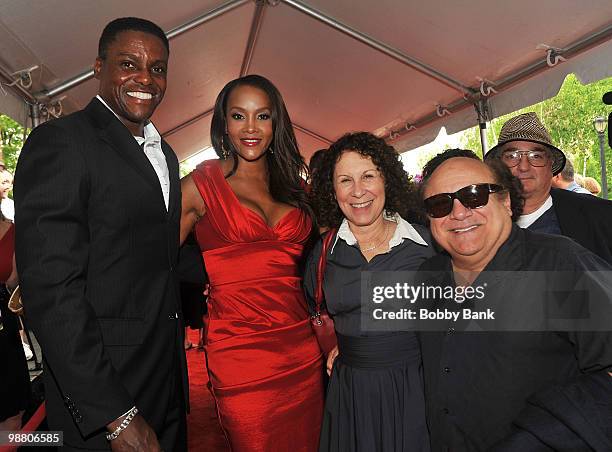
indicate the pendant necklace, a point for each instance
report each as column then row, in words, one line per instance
column 365, row 250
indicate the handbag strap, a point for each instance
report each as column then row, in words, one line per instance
column 321, row 269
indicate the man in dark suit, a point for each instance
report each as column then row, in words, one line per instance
column 98, row 202
column 525, row 146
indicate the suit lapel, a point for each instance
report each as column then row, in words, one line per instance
column 114, row 133
column 119, row 138
column 173, row 171
column 567, row 214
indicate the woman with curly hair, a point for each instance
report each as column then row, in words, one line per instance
column 252, row 219
column 375, row 394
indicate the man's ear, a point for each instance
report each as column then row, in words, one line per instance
column 98, row 67
column 508, row 203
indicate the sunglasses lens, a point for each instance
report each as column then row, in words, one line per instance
column 439, row 206
column 474, row 196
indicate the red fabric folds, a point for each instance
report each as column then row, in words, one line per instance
column 265, row 365
column 7, row 248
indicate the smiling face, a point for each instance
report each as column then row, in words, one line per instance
column 470, row 236
column 248, row 120
column 6, row 183
column 360, row 189
column 133, row 77
column 536, row 180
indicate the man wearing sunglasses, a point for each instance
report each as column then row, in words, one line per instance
column 525, row 146
column 497, row 387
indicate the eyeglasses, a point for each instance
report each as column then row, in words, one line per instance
column 473, row 197
column 535, row 158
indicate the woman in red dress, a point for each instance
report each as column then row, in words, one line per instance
column 252, row 220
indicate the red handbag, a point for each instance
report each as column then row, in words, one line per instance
column 322, row 324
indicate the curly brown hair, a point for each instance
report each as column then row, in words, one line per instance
column 400, row 192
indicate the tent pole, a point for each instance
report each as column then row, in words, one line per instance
column 35, row 115
column 482, row 126
column 88, row 74
column 380, row 46
column 482, row 111
column 312, row 134
column 602, row 163
column 190, row 121
column 250, row 48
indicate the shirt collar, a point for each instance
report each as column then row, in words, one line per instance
column 525, row 221
column 151, row 135
column 404, row 230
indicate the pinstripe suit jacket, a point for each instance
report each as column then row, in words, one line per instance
column 96, row 253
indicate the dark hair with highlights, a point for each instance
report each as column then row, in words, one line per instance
column 400, row 191
column 113, row 28
column 285, row 165
column 501, row 173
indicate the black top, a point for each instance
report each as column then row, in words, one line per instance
column 585, row 218
column 476, row 383
column 342, row 281
column 547, row 223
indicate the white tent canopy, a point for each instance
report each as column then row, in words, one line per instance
column 394, row 67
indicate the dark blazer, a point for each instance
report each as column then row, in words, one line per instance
column 585, row 218
column 96, row 253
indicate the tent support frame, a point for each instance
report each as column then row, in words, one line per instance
column 380, row 46
column 260, row 9
column 86, row 75
column 469, row 95
column 522, row 74
column 483, row 113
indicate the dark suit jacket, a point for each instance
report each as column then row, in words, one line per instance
column 585, row 218
column 96, row 253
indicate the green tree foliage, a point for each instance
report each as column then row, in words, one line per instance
column 569, row 119
column 11, row 141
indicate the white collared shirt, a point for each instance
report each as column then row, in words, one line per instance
column 527, row 220
column 404, row 230
column 153, row 151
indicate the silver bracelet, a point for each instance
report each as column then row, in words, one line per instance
column 130, row 415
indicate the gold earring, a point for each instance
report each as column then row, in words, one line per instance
column 224, row 152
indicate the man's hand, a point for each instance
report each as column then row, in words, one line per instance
column 137, row 436
column 330, row 359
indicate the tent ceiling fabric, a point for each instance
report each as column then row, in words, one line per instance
column 332, row 83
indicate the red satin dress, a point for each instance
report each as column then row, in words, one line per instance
column 264, row 363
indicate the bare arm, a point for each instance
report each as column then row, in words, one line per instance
column 193, row 207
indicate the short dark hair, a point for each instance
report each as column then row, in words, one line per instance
column 285, row 164
column 113, row 28
column 400, row 191
column 567, row 173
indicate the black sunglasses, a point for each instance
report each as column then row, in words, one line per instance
column 473, row 196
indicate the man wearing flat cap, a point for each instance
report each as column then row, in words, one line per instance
column 525, row 146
